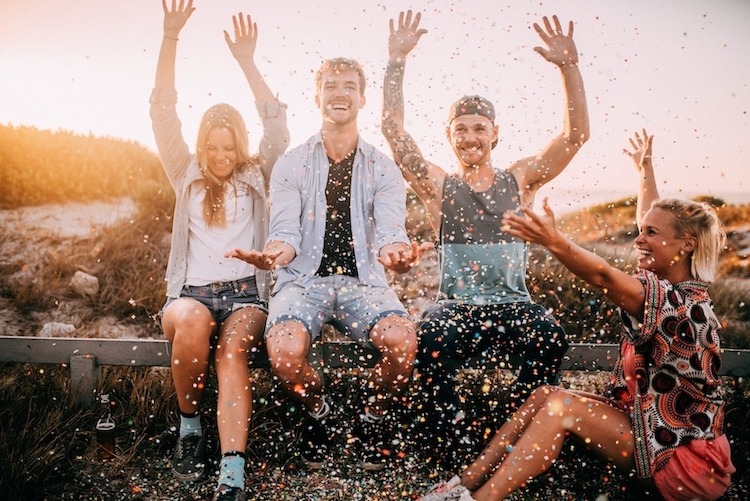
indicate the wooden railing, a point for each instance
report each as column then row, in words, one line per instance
column 86, row 356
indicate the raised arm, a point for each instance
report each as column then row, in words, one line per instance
column 533, row 172
column 642, row 158
column 174, row 153
column 174, row 20
column 276, row 137
column 243, row 50
column 624, row 290
column 425, row 178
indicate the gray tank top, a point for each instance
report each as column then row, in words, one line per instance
column 479, row 263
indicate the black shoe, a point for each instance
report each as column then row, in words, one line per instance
column 315, row 442
column 227, row 493
column 188, row 460
column 372, row 440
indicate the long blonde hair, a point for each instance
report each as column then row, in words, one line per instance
column 226, row 117
column 698, row 220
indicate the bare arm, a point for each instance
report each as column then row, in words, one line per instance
column 275, row 137
column 174, row 20
column 642, row 157
column 624, row 290
column 243, row 50
column 533, row 172
column 425, row 178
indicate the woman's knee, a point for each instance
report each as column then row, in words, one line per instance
column 243, row 330
column 188, row 321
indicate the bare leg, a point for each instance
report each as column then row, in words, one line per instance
column 288, row 344
column 240, row 333
column 394, row 336
column 604, row 429
column 188, row 326
column 492, row 455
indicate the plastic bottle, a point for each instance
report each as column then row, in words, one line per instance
column 105, row 431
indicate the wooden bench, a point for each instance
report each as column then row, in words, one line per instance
column 86, row 356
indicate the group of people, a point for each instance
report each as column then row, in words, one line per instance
column 268, row 248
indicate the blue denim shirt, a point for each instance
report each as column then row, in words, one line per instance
column 298, row 210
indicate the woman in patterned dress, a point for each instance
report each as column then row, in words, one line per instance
column 663, row 416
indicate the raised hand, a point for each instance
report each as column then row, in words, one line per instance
column 643, row 160
column 641, row 154
column 404, row 37
column 245, row 37
column 176, row 17
column 401, row 258
column 561, row 50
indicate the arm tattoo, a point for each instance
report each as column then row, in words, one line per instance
column 405, row 150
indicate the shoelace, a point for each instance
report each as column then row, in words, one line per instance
column 188, row 446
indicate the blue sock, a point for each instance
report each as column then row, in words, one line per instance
column 232, row 470
column 190, row 424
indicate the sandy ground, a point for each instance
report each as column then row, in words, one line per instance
column 26, row 234
column 66, row 220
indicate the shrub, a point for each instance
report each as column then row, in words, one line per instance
column 40, row 167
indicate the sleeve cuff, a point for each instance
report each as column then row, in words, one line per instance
column 161, row 95
column 269, row 109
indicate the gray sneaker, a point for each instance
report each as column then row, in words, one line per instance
column 189, row 458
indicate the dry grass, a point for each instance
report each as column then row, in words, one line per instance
column 48, row 446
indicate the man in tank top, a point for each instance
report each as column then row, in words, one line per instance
column 483, row 302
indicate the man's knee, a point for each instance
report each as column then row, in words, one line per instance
column 288, row 344
column 395, row 336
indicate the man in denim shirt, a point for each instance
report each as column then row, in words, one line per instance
column 337, row 219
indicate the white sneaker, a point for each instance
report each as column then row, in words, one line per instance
column 452, row 490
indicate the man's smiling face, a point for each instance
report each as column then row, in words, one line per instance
column 339, row 97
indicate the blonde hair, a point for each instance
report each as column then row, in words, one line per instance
column 698, row 220
column 225, row 117
column 336, row 65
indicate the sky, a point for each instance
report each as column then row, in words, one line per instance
column 679, row 68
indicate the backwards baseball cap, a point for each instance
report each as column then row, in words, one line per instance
column 473, row 105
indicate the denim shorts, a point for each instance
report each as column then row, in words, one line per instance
column 344, row 302
column 222, row 298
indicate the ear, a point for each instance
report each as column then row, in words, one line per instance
column 317, row 100
column 362, row 100
column 689, row 244
column 495, row 133
column 448, row 134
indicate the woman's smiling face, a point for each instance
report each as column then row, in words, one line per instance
column 658, row 245
column 221, row 152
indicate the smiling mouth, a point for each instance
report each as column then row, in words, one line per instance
column 339, row 106
column 470, row 151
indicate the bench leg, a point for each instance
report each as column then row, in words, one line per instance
column 84, row 379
